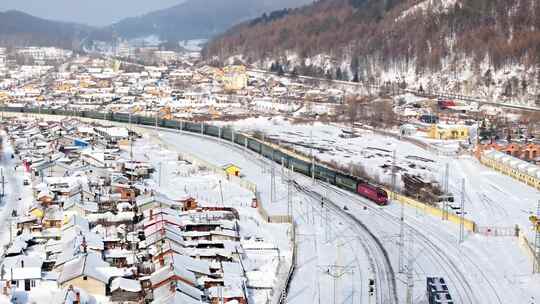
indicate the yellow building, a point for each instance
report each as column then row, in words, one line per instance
column 84, row 272
column 234, row 78
column 232, row 169
column 520, row 170
column 38, row 213
column 448, row 132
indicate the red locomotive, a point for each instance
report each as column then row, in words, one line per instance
column 372, row 193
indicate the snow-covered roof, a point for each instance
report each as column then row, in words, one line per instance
column 516, row 163
column 194, row 265
column 84, row 265
column 172, row 270
column 22, row 267
column 176, row 298
column 126, row 284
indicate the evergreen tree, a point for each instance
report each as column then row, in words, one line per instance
column 328, row 75
column 355, row 64
column 339, row 74
column 355, row 78
column 280, row 70
column 294, row 73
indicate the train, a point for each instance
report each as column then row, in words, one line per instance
column 297, row 163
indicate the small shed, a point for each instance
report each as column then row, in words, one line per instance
column 407, row 130
column 232, row 169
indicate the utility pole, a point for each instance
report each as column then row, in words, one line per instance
column 272, row 183
column 401, row 259
column 410, row 267
column 3, row 182
column 10, row 231
column 337, row 272
column 221, row 193
column 446, row 195
column 159, row 178
column 462, row 215
column 289, row 196
column 326, row 224
column 536, row 266
column 311, row 155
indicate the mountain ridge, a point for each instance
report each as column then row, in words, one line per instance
column 399, row 30
column 18, row 28
column 193, row 19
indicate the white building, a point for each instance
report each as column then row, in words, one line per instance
column 44, row 53
column 165, row 56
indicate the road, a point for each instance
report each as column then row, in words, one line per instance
column 16, row 196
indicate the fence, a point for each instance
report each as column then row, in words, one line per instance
column 468, row 224
column 497, row 231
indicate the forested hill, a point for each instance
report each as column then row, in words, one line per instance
column 424, row 33
column 20, row 29
column 194, row 19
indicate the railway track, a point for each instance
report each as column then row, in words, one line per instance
column 379, row 260
column 440, row 255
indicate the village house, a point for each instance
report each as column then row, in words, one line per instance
column 84, row 273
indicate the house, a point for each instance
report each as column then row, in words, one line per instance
column 226, row 294
column 153, row 201
column 174, row 278
column 198, row 267
column 53, row 217
column 23, row 271
column 63, row 186
column 232, row 169
column 45, row 197
column 84, row 272
column 456, row 132
column 82, row 208
column 125, row 291
column 407, row 130
column 26, row 223
column 177, row 297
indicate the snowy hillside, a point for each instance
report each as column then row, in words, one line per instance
column 481, row 48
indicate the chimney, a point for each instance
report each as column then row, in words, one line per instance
column 151, row 214
column 22, row 263
column 161, row 261
column 84, row 244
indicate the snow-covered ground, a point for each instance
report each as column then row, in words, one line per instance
column 491, row 199
column 480, row 270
